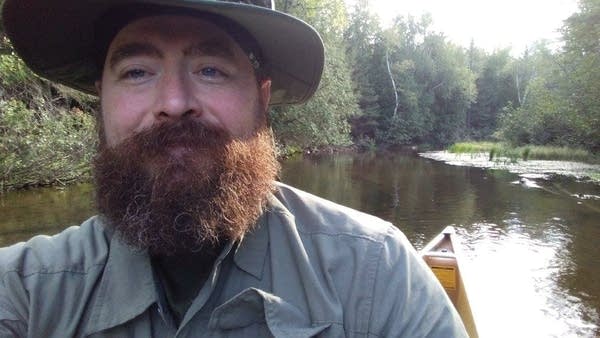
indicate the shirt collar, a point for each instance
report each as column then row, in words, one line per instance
column 127, row 276
column 251, row 254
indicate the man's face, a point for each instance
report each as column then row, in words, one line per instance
column 164, row 68
column 187, row 161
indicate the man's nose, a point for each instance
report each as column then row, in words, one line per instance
column 175, row 97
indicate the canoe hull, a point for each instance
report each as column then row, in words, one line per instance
column 443, row 256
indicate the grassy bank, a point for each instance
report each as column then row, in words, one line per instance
column 530, row 152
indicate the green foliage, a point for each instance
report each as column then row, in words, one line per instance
column 560, row 104
column 495, row 89
column 549, row 113
column 43, row 148
column 544, row 119
column 15, row 75
column 366, row 144
column 323, row 121
column 502, row 150
column 581, row 66
column 423, row 84
column 472, row 147
column 45, row 137
column 437, row 93
column 18, row 81
column 360, row 39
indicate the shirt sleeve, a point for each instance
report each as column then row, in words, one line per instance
column 408, row 300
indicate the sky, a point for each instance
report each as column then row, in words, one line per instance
column 492, row 24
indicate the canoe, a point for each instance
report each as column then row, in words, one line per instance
column 443, row 256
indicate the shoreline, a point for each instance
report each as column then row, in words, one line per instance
column 526, row 169
column 478, row 155
column 525, row 152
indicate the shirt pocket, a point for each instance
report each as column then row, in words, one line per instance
column 256, row 313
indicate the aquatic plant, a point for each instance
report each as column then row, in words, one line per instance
column 529, row 152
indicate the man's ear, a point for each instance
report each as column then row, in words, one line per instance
column 264, row 92
column 98, row 86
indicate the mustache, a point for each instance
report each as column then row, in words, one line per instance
column 178, row 133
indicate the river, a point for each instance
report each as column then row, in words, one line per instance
column 534, row 249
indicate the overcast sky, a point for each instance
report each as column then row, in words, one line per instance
column 492, row 24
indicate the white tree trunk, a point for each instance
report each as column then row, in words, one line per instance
column 387, row 60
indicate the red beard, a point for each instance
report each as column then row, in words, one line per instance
column 182, row 187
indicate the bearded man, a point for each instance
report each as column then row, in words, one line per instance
column 194, row 237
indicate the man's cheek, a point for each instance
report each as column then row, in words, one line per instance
column 117, row 128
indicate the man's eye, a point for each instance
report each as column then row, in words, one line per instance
column 135, row 74
column 211, row 72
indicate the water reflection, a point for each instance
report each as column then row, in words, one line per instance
column 43, row 211
column 533, row 251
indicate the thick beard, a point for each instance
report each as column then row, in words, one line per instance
column 182, row 187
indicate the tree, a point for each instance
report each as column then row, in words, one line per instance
column 581, row 64
column 562, row 105
column 323, row 120
column 432, row 83
column 453, row 88
column 403, row 117
column 495, row 91
column 361, row 38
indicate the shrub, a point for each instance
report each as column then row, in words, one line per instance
column 45, row 136
column 43, row 148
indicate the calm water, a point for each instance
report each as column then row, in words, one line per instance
column 534, row 252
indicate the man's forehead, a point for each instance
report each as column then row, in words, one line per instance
column 203, row 34
column 210, row 47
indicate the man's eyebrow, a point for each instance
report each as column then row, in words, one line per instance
column 133, row 49
column 212, row 47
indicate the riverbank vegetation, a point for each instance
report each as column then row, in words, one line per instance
column 529, row 152
column 47, row 132
column 404, row 84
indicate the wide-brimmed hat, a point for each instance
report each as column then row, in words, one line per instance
column 55, row 38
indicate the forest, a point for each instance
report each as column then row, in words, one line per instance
column 405, row 84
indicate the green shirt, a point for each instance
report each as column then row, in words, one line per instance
column 309, row 268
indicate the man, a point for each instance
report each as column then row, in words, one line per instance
column 194, row 237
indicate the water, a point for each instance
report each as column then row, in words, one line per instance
column 43, row 211
column 533, row 249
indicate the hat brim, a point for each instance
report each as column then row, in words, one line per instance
column 56, row 40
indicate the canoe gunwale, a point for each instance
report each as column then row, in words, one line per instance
column 446, row 249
